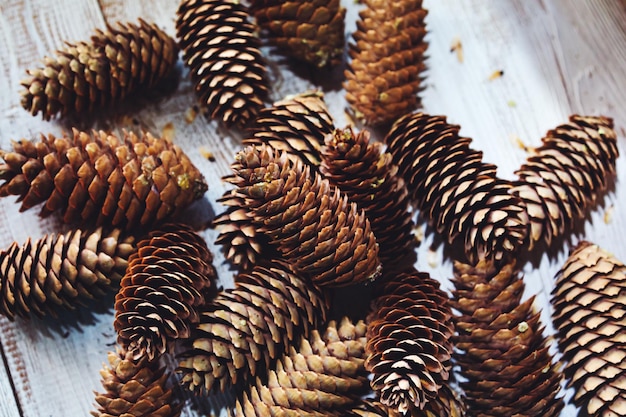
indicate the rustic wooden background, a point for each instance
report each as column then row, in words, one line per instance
column 558, row 57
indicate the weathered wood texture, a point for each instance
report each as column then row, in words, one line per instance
column 559, row 57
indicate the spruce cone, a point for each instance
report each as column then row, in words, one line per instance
column 135, row 389
column 565, row 176
column 500, row 348
column 590, row 317
column 131, row 181
column 243, row 245
column 447, row 404
column 221, row 49
column 409, row 343
column 295, row 125
column 367, row 175
column 384, row 76
column 312, row 224
column 457, row 193
column 61, row 271
column 322, row 376
column 85, row 76
column 312, row 31
column 244, row 330
column 167, row 281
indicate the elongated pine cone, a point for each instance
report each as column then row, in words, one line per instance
column 590, row 317
column 457, row 193
column 499, row 347
column 135, row 389
column 62, row 271
column 167, row 281
column 566, row 175
column 384, row 76
column 368, row 176
column 325, row 375
column 295, row 125
column 447, row 404
column 409, row 341
column 311, row 31
column 128, row 182
column 85, row 76
column 221, row 49
column 244, row 330
column 310, row 222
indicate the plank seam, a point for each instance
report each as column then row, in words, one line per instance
column 5, row 363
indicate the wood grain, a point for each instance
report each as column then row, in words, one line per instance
column 558, row 58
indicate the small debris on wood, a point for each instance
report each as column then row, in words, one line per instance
column 608, row 214
column 168, row 131
column 191, row 113
column 511, row 103
column 207, row 154
column 496, row 74
column 458, row 48
column 431, row 258
column 520, row 143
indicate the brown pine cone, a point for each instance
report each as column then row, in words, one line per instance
column 296, row 125
column 457, row 193
column 311, row 31
column 566, row 175
column 167, row 281
column 135, row 389
column 127, row 182
column 243, row 245
column 589, row 316
column 384, row 77
column 311, row 223
column 85, row 76
column 62, row 271
column 409, row 341
column 243, row 331
column 501, row 352
column 368, row 176
column 221, row 49
column 322, row 377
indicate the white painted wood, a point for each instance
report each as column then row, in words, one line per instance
column 558, row 57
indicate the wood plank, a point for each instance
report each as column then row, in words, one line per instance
column 9, row 407
column 557, row 59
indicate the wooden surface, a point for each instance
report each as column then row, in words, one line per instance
column 558, row 56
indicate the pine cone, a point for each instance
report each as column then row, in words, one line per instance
column 166, row 282
column 447, row 404
column 457, row 193
column 409, row 343
column 566, row 175
column 85, row 76
column 367, row 175
column 221, row 49
column 131, row 181
column 322, row 376
column 135, row 389
column 310, row 222
column 243, row 331
column 61, row 271
column 311, row 31
column 384, row 76
column 296, row 125
column 589, row 317
column 500, row 348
